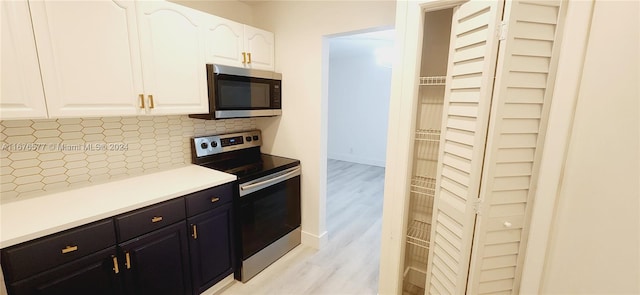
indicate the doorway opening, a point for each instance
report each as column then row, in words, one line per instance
column 357, row 85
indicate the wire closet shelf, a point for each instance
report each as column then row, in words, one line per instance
column 433, row 81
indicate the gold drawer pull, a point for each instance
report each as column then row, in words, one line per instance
column 244, row 57
column 69, row 249
column 156, row 219
column 214, row 199
column 195, row 232
column 128, row 260
column 151, row 104
column 249, row 57
column 116, row 269
column 141, row 101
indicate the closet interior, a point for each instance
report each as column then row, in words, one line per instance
column 429, row 109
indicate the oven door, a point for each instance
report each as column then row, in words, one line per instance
column 268, row 209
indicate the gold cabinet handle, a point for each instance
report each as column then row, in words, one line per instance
column 128, row 260
column 141, row 96
column 214, row 199
column 244, row 57
column 116, row 269
column 156, row 219
column 151, row 104
column 69, row 249
column 249, row 57
column 195, row 232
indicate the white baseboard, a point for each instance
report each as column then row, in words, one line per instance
column 315, row 241
column 356, row 159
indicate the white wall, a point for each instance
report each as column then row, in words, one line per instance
column 595, row 235
column 230, row 9
column 300, row 28
column 359, row 90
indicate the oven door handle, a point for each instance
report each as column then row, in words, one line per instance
column 251, row 187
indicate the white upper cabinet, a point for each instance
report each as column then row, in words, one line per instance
column 259, row 47
column 89, row 57
column 225, row 42
column 116, row 57
column 173, row 59
column 234, row 44
column 21, row 87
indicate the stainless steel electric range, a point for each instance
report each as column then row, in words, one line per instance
column 267, row 199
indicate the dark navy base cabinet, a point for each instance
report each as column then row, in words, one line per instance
column 211, row 247
column 179, row 247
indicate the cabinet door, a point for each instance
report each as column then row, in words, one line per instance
column 93, row 274
column 157, row 263
column 89, row 57
column 22, row 95
column 172, row 42
column 211, row 247
column 224, row 41
column 260, row 44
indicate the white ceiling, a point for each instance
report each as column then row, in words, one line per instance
column 364, row 43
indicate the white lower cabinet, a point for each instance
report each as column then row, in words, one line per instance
column 21, row 87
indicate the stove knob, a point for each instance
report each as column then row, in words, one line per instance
column 204, row 145
column 248, row 138
column 214, row 144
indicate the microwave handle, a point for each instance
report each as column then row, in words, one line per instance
column 266, row 183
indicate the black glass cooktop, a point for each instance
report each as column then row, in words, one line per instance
column 253, row 166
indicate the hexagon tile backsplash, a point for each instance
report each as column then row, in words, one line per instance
column 42, row 156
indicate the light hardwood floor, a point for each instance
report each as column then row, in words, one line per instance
column 348, row 264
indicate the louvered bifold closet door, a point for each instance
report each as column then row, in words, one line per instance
column 522, row 92
column 472, row 60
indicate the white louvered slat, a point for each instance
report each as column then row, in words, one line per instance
column 521, row 125
column 524, row 95
column 514, row 169
column 464, row 95
column 456, row 175
column 504, row 210
column 520, row 103
column 501, row 249
column 460, row 136
column 508, row 197
column 499, row 261
column 515, row 155
column 530, row 47
column 471, row 69
column 462, row 123
column 529, row 63
column 492, row 287
column 498, row 274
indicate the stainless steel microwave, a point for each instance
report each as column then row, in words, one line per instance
column 240, row 93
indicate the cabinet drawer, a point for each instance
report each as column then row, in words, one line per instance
column 32, row 257
column 207, row 199
column 150, row 218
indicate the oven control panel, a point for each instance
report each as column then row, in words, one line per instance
column 215, row 144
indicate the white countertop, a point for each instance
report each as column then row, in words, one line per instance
column 28, row 219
